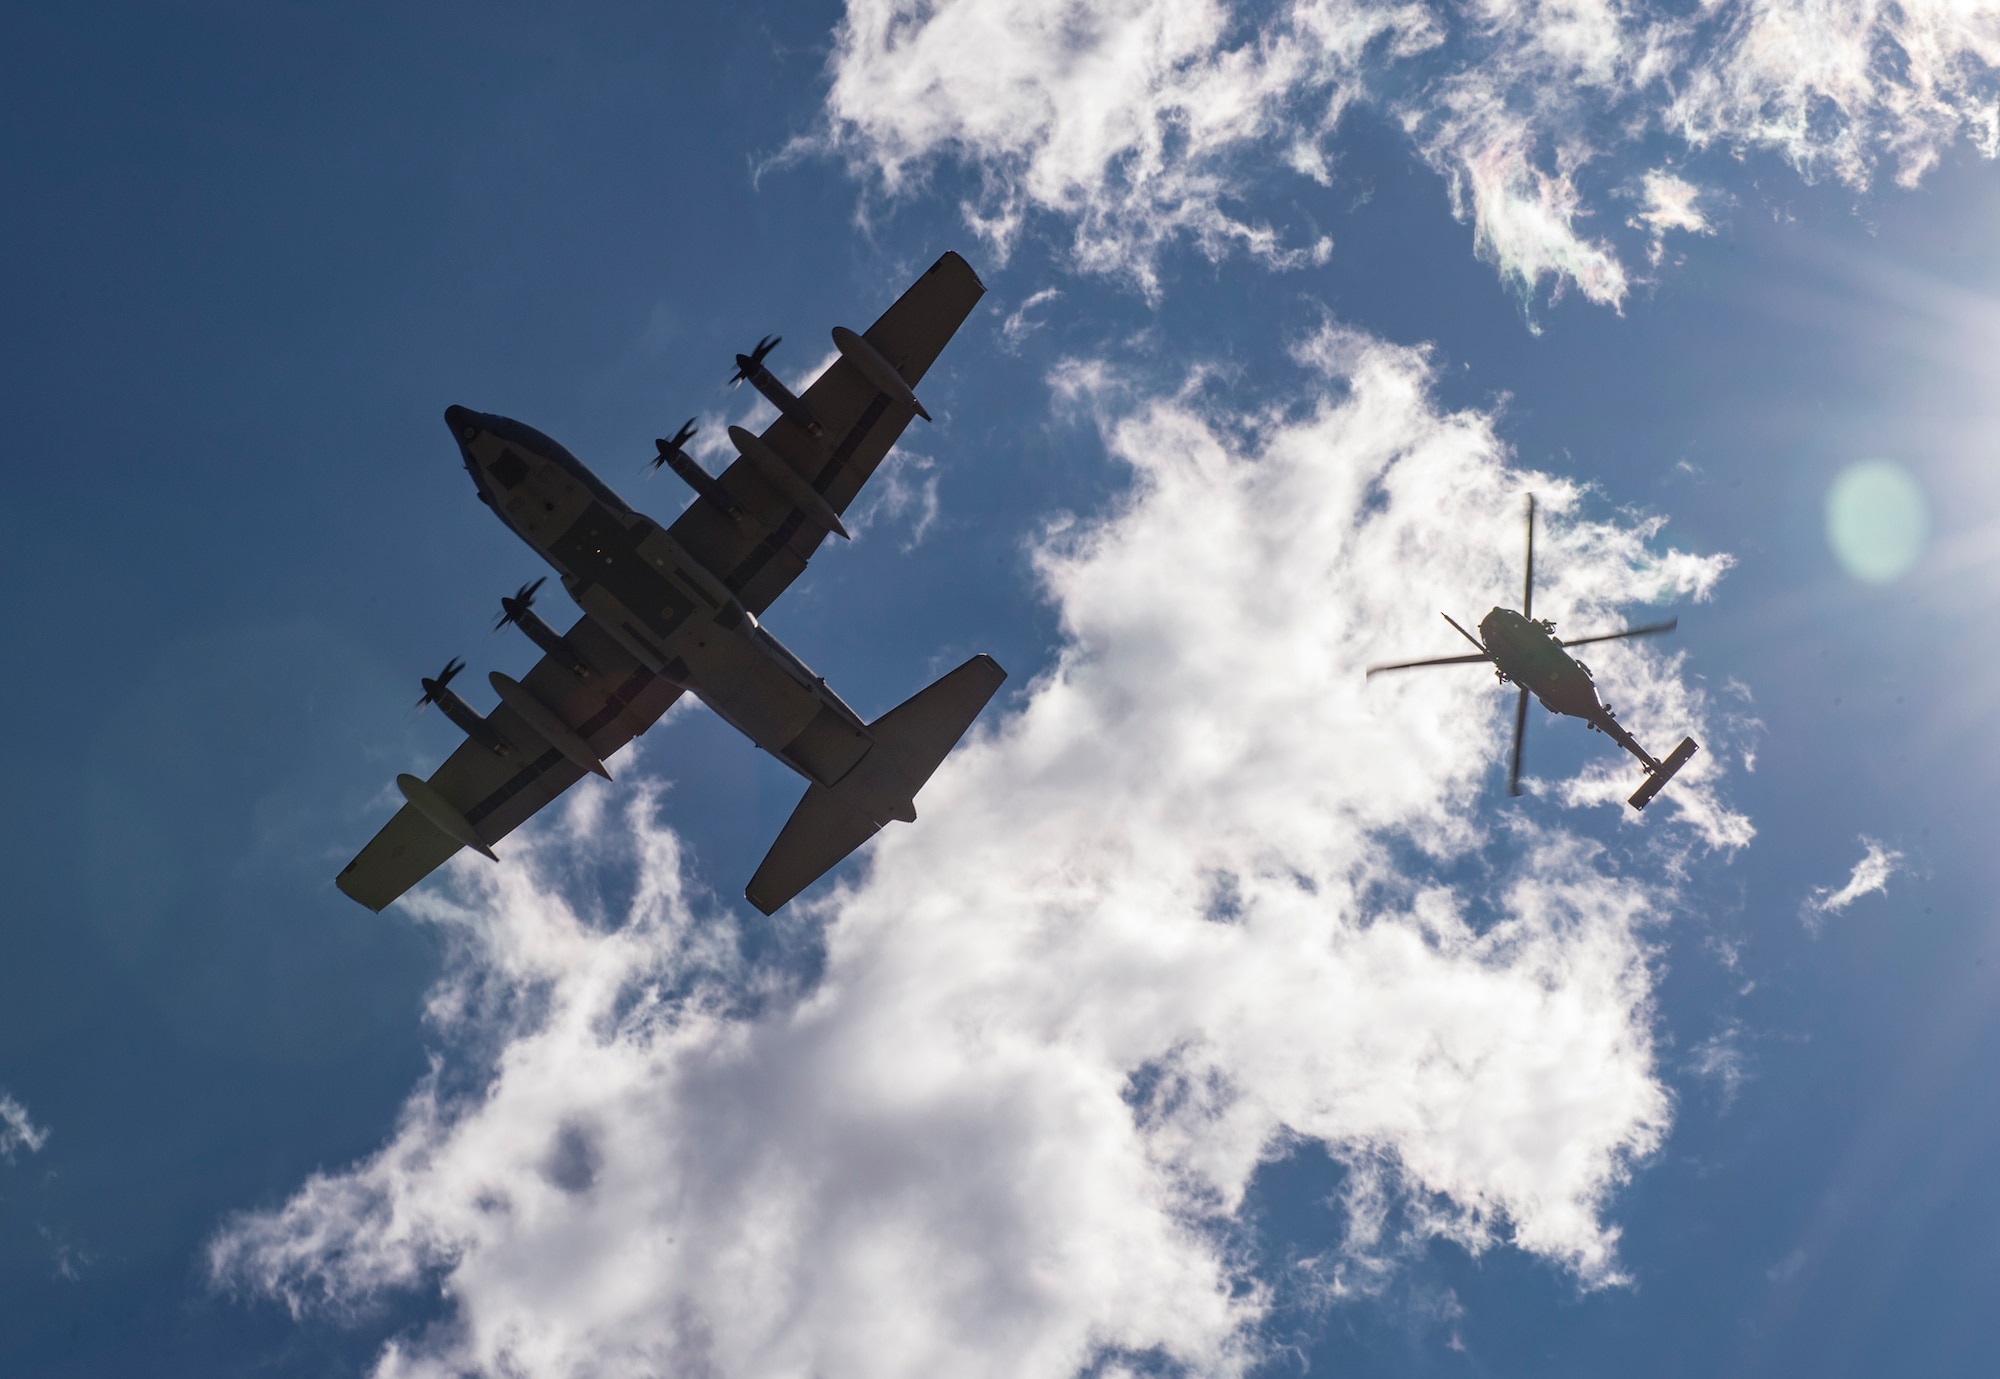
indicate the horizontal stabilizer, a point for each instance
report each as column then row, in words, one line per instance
column 910, row 741
column 1657, row 778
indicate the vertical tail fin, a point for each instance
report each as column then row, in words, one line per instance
column 910, row 742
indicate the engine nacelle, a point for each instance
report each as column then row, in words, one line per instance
column 467, row 719
column 778, row 395
column 547, row 638
column 876, row 369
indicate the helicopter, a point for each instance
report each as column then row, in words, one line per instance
column 1525, row 651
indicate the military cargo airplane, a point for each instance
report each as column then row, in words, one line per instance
column 674, row 609
column 1525, row 651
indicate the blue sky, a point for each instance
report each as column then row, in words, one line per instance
column 1221, row 1014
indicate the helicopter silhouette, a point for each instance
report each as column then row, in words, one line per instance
column 1525, row 651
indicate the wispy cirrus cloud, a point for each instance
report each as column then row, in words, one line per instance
column 1172, row 914
column 1871, row 875
column 17, row 1130
column 1720, row 1059
column 1142, row 123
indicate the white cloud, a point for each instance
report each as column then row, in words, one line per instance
column 1720, row 1059
column 1838, row 85
column 17, row 1130
column 1162, row 921
column 1145, row 122
column 1119, row 115
column 904, row 488
column 1018, row 326
column 1871, row 874
column 1668, row 202
column 1671, row 203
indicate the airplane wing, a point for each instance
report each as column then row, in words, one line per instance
column 759, row 556
column 497, row 795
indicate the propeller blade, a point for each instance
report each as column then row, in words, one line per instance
column 1463, row 633
column 1520, row 730
column 745, row 364
column 1651, row 629
column 444, row 677
column 1432, row 661
column 511, row 609
column 667, row 449
column 1528, row 580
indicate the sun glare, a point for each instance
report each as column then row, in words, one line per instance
column 1878, row 520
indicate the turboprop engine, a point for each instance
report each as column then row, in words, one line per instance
column 750, row 368
column 473, row 724
column 520, row 611
column 692, row 474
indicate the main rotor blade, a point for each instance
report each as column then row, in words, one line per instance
column 1462, row 632
column 1528, row 580
column 1651, row 629
column 1433, row 661
column 1520, row 730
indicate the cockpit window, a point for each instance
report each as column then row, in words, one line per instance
column 509, row 469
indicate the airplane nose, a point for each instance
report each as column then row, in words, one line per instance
column 463, row 421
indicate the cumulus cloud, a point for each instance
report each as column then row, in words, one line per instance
column 1871, row 874
column 17, row 1130
column 1174, row 913
column 1141, row 123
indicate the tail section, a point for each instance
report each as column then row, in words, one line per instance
column 1662, row 772
column 910, row 741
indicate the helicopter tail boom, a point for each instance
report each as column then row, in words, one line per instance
column 1657, row 778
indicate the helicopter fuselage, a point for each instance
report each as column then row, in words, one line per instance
column 1526, row 653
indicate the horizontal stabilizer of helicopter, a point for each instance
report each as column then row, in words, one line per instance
column 1657, row 778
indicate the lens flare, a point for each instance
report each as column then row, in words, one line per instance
column 1877, row 520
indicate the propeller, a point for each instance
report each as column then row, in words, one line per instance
column 681, row 437
column 1520, row 731
column 511, row 609
column 1528, row 579
column 750, row 363
column 1651, row 629
column 433, row 688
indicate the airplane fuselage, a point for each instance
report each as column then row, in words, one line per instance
column 675, row 617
